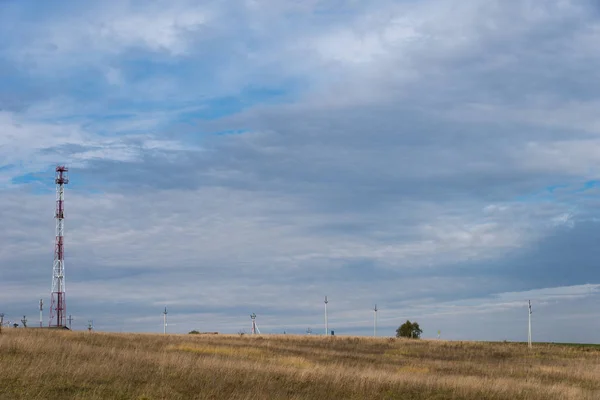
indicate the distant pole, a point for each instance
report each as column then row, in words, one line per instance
column 70, row 320
column 255, row 329
column 326, row 322
column 375, row 321
column 165, row 321
column 24, row 321
column 90, row 325
column 529, row 333
column 1, row 321
column 41, row 312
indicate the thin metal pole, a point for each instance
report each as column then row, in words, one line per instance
column 375, row 321
column 165, row 321
column 529, row 332
column 326, row 321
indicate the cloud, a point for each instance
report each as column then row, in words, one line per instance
column 428, row 157
column 109, row 29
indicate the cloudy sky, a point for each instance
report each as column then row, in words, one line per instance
column 440, row 158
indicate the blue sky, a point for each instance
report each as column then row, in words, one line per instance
column 438, row 158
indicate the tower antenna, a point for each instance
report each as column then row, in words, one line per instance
column 165, row 321
column 58, row 306
column 529, row 333
column 375, row 321
column 41, row 312
column 326, row 321
column 254, row 326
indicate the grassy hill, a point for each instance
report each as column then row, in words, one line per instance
column 41, row 364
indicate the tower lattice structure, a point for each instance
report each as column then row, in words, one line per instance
column 58, row 305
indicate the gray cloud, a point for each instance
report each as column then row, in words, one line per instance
column 404, row 168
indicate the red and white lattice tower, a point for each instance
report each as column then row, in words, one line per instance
column 58, row 306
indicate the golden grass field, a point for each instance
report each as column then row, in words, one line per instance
column 43, row 364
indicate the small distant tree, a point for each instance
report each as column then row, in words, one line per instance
column 194, row 332
column 409, row 330
column 15, row 325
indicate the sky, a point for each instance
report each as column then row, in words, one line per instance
column 440, row 159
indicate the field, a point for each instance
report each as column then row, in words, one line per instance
column 42, row 364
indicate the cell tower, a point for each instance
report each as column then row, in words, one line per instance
column 326, row 322
column 58, row 305
column 375, row 321
column 254, row 326
column 529, row 333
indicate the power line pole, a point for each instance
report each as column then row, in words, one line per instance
column 1, row 321
column 375, row 321
column 529, row 333
column 90, row 325
column 41, row 312
column 326, row 321
column 254, row 326
column 70, row 320
column 165, row 321
column 24, row 321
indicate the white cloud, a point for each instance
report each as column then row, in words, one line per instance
column 512, row 300
column 322, row 195
column 30, row 146
column 113, row 28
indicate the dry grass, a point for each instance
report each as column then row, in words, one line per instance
column 40, row 364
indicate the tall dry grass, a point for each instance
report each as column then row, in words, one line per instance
column 41, row 364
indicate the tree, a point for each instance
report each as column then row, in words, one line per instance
column 409, row 330
column 194, row 332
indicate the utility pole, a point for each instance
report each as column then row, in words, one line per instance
column 41, row 312
column 90, row 325
column 70, row 320
column 529, row 333
column 24, row 321
column 375, row 321
column 1, row 321
column 326, row 321
column 165, row 321
column 255, row 329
